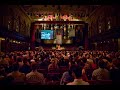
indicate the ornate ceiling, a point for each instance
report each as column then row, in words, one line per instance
column 64, row 12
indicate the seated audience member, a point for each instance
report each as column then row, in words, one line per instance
column 17, row 76
column 19, row 61
column 94, row 65
column 34, row 77
column 3, row 79
column 115, row 71
column 5, row 60
column 25, row 68
column 84, row 75
column 101, row 73
column 53, row 66
column 11, row 60
column 77, row 74
column 1, row 59
column 89, row 58
column 62, row 62
column 87, row 70
column 46, row 61
column 2, row 72
column 67, row 76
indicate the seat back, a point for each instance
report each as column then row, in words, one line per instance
column 53, row 83
column 63, row 69
column 43, row 71
column 100, row 82
column 53, row 76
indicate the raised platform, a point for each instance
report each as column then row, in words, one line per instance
column 61, row 48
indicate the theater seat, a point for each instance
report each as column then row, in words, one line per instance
column 32, row 83
column 53, row 76
column 100, row 82
column 53, row 83
column 92, row 82
column 43, row 71
column 63, row 69
column 104, row 82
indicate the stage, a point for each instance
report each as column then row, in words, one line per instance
column 61, row 48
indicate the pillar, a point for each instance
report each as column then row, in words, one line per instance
column 33, row 30
column 118, row 44
column 86, row 36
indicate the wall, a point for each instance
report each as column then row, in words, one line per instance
column 14, row 18
column 104, row 19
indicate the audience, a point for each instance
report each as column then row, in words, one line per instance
column 77, row 74
column 101, row 73
column 22, row 66
column 53, row 66
column 34, row 77
column 25, row 68
column 17, row 76
column 67, row 76
column 115, row 71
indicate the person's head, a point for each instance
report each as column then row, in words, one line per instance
column 54, row 61
column 72, row 63
column 6, row 56
column 81, row 64
column 19, row 59
column 116, row 62
column 101, row 64
column 87, row 56
column 34, row 66
column 76, row 72
column 15, row 67
column 2, row 70
column 84, row 60
column 91, row 56
column 71, row 69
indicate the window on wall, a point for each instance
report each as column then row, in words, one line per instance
column 14, row 24
column 19, row 20
column 90, row 31
column 8, row 25
column 18, row 23
column 9, row 22
column 16, row 27
column 100, row 29
column 9, row 19
column 25, row 28
column 28, row 31
column 100, row 24
column 109, row 25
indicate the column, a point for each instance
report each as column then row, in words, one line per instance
column 118, row 44
column 0, row 45
column 86, row 36
column 34, row 27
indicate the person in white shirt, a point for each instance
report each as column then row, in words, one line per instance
column 17, row 76
column 101, row 73
column 34, row 77
column 77, row 74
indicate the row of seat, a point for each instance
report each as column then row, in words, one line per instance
column 91, row 82
column 52, row 72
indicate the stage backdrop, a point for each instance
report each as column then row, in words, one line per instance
column 59, row 39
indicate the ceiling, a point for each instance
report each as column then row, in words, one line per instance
column 79, row 12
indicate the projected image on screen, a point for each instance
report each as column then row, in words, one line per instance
column 46, row 34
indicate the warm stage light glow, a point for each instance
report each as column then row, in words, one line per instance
column 57, row 18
